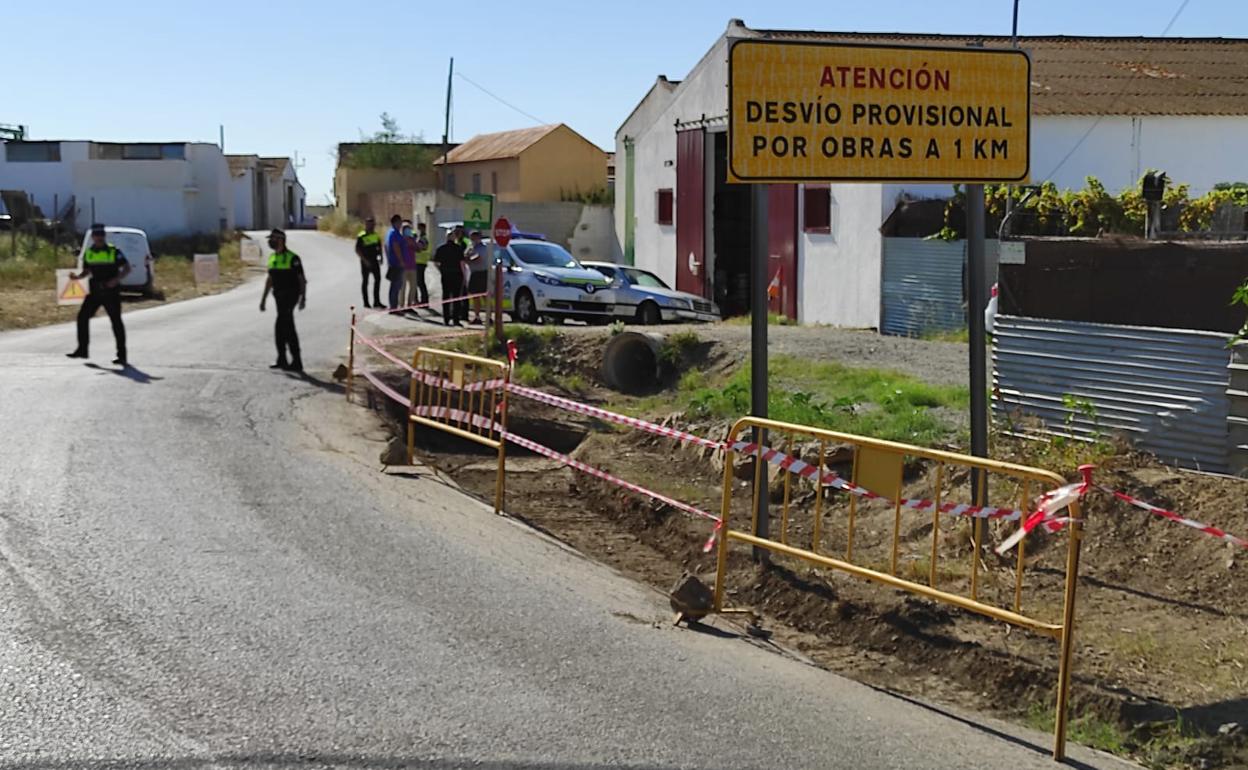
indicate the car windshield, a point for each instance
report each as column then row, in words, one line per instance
column 605, row 270
column 644, row 279
column 132, row 245
column 544, row 255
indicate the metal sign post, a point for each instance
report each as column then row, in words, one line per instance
column 758, row 355
column 977, row 300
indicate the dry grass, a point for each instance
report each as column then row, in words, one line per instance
column 28, row 282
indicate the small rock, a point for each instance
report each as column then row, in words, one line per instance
column 1230, row 728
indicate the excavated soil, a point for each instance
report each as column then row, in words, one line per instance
column 1162, row 619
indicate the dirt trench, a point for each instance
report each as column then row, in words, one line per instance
column 1162, row 637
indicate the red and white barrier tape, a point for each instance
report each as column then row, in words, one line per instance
column 620, row 419
column 456, row 415
column 1172, row 516
column 382, row 351
column 1047, row 507
column 472, row 387
column 420, row 305
column 384, row 388
column 426, row 337
column 830, row 478
column 533, row 446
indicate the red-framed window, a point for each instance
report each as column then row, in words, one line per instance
column 817, row 205
column 664, row 205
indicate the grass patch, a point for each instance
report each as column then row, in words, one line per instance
column 962, row 335
column 773, row 319
column 27, row 262
column 1087, row 729
column 870, row 402
column 528, row 373
column 676, row 347
column 340, row 224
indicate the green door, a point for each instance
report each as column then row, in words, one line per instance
column 630, row 217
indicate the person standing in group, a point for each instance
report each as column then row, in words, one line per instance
column 450, row 260
column 478, row 257
column 106, row 265
column 409, row 295
column 394, row 259
column 368, row 249
column 290, row 288
column 424, row 252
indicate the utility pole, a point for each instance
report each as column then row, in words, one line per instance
column 1009, row 189
column 446, row 129
column 221, row 141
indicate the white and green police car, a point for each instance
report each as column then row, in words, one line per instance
column 542, row 280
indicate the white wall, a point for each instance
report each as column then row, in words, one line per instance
column 593, row 237
column 639, row 122
column 163, row 197
column 242, row 189
column 838, row 275
column 46, row 183
column 1200, row 151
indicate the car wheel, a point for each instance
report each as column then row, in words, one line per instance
column 648, row 314
column 526, row 308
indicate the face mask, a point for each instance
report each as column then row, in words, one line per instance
column 407, row 231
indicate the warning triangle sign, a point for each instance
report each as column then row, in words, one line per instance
column 73, row 290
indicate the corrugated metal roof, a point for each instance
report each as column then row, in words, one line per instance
column 503, row 144
column 1103, row 75
column 1165, row 389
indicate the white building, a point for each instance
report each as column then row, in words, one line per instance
column 1105, row 107
column 170, row 188
column 266, row 193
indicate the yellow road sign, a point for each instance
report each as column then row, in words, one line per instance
column 832, row 111
column 69, row 291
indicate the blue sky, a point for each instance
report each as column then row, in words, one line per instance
column 286, row 77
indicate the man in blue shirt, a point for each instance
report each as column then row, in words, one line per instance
column 394, row 259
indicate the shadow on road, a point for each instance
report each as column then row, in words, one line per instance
column 308, row 759
column 328, row 387
column 983, row 728
column 129, row 372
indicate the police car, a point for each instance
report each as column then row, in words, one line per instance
column 542, row 280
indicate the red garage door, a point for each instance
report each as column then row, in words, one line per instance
column 690, row 222
column 782, row 248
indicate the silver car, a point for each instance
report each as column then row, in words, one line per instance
column 641, row 296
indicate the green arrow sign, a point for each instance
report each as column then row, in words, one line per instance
column 478, row 211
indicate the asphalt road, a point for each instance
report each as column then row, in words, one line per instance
column 201, row 566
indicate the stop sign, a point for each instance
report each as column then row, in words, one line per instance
column 502, row 232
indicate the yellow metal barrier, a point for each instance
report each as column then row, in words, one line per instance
column 881, row 467
column 463, row 395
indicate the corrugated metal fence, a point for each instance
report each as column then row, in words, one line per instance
column 922, row 285
column 1165, row 389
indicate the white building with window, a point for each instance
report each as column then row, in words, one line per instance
column 1105, row 107
column 164, row 188
column 266, row 193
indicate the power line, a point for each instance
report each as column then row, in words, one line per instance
column 500, row 99
column 1114, row 103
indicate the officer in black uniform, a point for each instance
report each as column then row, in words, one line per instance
column 289, row 288
column 106, row 265
column 368, row 249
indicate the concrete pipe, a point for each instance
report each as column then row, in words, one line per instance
column 630, row 363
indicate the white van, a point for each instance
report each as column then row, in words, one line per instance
column 133, row 245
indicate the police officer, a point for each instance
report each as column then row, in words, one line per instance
column 424, row 252
column 289, row 288
column 106, row 265
column 368, row 249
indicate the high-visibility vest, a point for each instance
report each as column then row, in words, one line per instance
column 424, row 255
column 104, row 256
column 281, row 260
column 369, row 239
